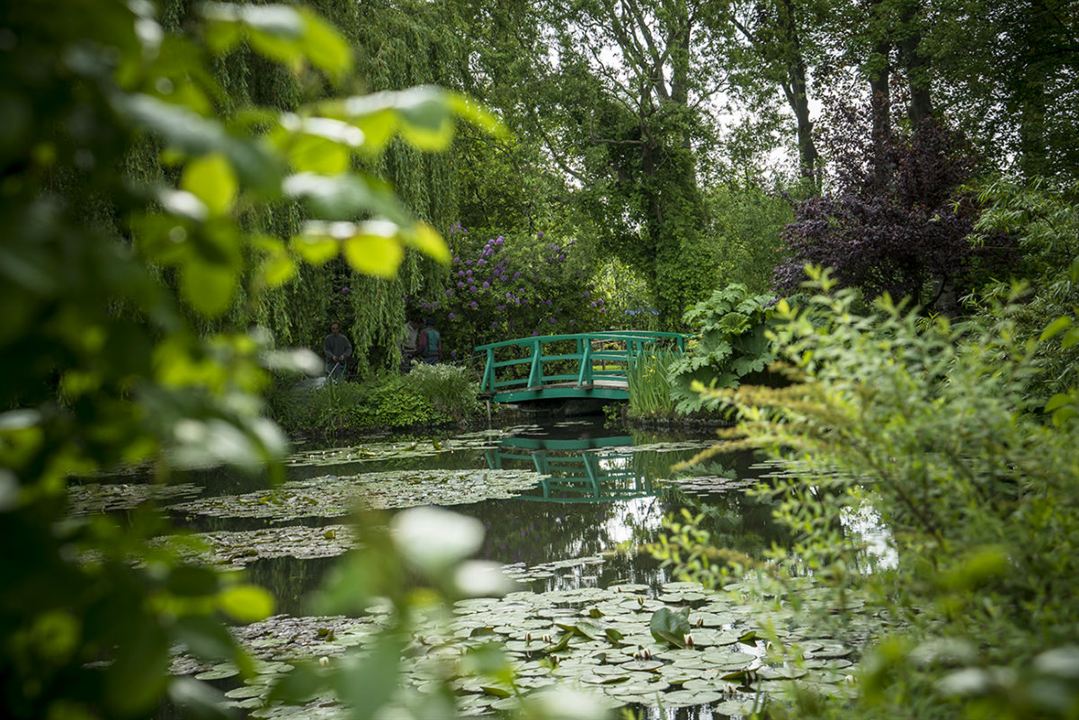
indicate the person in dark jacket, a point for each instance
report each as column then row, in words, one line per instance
column 336, row 351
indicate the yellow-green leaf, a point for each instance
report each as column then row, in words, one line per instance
column 378, row 129
column 468, row 109
column 208, row 287
column 325, row 47
column 1057, row 401
column 212, row 180
column 310, row 153
column 315, row 249
column 277, row 270
column 1055, row 328
column 375, row 250
column 246, row 603
column 429, row 138
column 427, row 240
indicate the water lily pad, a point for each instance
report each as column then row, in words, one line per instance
column 683, row 698
column 247, row 691
column 783, row 672
column 333, row 496
column 94, row 498
column 642, row 665
column 240, row 548
column 219, row 672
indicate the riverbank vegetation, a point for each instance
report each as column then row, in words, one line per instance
column 936, row 428
column 192, row 193
column 428, row 396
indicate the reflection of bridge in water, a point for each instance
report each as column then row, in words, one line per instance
column 579, row 470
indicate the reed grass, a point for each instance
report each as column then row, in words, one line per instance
column 650, row 389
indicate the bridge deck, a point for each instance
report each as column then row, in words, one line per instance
column 582, row 365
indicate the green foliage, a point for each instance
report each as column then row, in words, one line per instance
column 730, row 344
column 924, row 483
column 510, row 286
column 747, row 224
column 670, row 627
column 452, row 391
column 1044, row 220
column 650, row 388
column 117, row 278
column 429, row 395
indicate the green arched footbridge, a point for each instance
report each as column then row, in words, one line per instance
column 581, row 365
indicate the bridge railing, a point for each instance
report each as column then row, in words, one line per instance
column 580, row 359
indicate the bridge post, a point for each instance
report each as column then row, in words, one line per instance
column 535, row 373
column 585, row 372
column 488, row 382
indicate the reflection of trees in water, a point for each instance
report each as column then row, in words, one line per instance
column 207, row 523
column 289, row 579
column 534, row 533
column 739, row 523
column 734, row 520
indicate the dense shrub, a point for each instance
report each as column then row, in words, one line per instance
column 929, row 427
column 452, row 391
column 429, row 395
column 899, row 227
column 1044, row 221
column 729, row 344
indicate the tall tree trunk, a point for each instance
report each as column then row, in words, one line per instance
column 1029, row 91
column 795, row 90
column 915, row 64
column 880, row 101
column 880, row 104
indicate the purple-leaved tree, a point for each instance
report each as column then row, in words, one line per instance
column 899, row 224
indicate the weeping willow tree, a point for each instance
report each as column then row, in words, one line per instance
column 401, row 45
column 397, row 46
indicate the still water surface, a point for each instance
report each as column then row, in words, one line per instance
column 603, row 496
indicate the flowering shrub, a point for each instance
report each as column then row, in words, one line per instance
column 514, row 286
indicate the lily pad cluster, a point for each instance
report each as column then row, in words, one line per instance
column 94, row 498
column 373, row 452
column 660, row 447
column 237, row 549
column 608, row 641
column 557, row 574
column 333, row 496
column 709, row 484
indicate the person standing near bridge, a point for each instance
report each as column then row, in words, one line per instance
column 336, row 351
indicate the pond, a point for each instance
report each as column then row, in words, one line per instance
column 568, row 508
